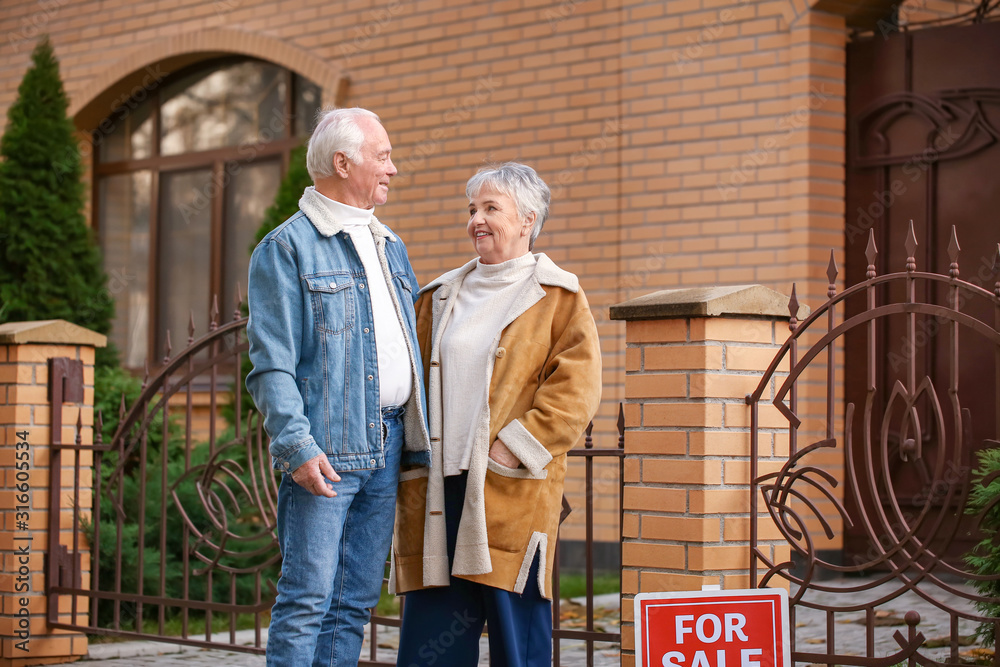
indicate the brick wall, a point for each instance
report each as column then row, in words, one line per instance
column 25, row 460
column 689, row 142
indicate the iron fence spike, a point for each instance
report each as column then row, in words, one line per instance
column 99, row 428
column 953, row 250
column 190, row 327
column 79, row 427
column 911, row 249
column 166, row 350
column 238, row 312
column 871, row 253
column 215, row 313
column 793, row 309
column 832, row 272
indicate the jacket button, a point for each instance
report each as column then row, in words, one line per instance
column 501, row 352
column 372, row 425
column 372, row 462
column 333, row 285
column 371, row 377
column 286, row 465
column 361, row 285
column 366, row 329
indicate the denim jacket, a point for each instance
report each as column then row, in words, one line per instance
column 312, row 343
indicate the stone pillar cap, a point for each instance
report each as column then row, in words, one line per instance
column 730, row 301
column 57, row 332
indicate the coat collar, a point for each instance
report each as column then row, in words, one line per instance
column 546, row 273
column 324, row 222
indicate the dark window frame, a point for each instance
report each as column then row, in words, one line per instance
column 216, row 160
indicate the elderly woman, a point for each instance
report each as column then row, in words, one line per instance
column 513, row 366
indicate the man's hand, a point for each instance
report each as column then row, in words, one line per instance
column 502, row 455
column 312, row 476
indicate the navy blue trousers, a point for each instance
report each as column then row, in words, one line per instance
column 442, row 626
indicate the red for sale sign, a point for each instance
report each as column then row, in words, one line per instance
column 745, row 628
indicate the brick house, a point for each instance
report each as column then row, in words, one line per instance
column 687, row 142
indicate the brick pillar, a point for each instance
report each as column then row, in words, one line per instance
column 692, row 356
column 25, row 454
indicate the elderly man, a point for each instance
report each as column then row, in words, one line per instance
column 336, row 375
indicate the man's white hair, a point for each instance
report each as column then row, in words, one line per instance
column 336, row 130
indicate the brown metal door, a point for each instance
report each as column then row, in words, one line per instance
column 923, row 122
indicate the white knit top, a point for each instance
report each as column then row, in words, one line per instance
column 395, row 380
column 483, row 301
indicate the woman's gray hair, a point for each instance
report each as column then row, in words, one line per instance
column 336, row 130
column 520, row 183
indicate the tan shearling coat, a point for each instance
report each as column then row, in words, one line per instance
column 544, row 388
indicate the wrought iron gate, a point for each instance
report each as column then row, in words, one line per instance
column 182, row 527
column 182, row 530
column 909, row 536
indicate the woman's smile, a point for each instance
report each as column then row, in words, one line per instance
column 496, row 229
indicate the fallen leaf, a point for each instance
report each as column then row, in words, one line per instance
column 938, row 642
column 882, row 619
column 977, row 656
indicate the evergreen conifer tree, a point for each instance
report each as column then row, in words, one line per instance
column 51, row 267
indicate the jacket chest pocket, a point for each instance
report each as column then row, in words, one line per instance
column 403, row 288
column 332, row 302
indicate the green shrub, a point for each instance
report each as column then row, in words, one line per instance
column 984, row 559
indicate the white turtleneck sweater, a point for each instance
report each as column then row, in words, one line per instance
column 395, row 381
column 484, row 299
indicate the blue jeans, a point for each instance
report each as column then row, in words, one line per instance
column 333, row 559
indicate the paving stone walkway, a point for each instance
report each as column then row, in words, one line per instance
column 153, row 654
column 810, row 630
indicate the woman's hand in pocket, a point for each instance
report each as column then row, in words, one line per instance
column 502, row 455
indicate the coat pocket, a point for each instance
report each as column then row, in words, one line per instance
column 411, row 504
column 403, row 287
column 332, row 302
column 511, row 497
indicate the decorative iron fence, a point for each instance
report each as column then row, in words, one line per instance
column 182, row 530
column 904, row 435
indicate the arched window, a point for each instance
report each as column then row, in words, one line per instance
column 183, row 174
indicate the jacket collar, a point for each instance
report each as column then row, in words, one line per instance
column 324, row 222
column 546, row 273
